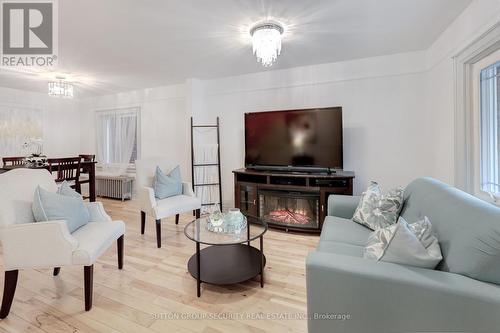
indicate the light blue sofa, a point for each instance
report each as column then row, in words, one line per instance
column 352, row 294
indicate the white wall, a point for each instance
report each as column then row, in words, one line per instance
column 61, row 127
column 479, row 17
column 164, row 122
column 398, row 109
column 386, row 132
column 405, row 100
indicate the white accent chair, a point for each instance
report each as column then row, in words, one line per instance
column 30, row 244
column 161, row 208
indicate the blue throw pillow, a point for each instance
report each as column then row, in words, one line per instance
column 167, row 185
column 48, row 206
column 65, row 189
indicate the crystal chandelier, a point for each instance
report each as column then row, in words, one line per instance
column 61, row 89
column 266, row 41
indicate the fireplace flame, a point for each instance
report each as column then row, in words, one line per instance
column 287, row 216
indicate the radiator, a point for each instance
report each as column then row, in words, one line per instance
column 116, row 187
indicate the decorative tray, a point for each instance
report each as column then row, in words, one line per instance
column 228, row 225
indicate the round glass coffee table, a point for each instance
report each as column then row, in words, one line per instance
column 229, row 258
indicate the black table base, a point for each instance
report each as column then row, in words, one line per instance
column 227, row 264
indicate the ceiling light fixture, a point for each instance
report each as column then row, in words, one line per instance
column 266, row 42
column 60, row 88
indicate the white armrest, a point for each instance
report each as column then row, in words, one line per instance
column 147, row 198
column 37, row 245
column 187, row 189
column 97, row 212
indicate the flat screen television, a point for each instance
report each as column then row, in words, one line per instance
column 308, row 140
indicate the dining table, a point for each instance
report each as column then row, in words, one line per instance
column 86, row 167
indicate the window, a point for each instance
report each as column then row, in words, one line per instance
column 489, row 128
column 117, row 137
column 486, row 127
column 476, row 104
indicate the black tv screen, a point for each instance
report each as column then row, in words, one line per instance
column 297, row 138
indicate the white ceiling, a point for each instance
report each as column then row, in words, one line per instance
column 118, row 45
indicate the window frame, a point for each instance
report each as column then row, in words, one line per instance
column 124, row 109
column 465, row 144
column 477, row 69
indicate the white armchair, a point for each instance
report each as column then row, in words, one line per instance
column 161, row 208
column 30, row 244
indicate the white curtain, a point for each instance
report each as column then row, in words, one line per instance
column 490, row 181
column 116, row 139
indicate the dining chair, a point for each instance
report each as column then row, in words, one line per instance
column 161, row 208
column 30, row 245
column 17, row 160
column 87, row 158
column 66, row 169
column 84, row 176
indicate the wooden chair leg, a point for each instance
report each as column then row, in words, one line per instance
column 158, row 232
column 88, row 272
column 198, row 213
column 143, row 222
column 9, row 289
column 119, row 246
column 56, row 271
column 177, row 219
column 78, row 187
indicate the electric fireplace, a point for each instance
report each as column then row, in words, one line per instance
column 289, row 208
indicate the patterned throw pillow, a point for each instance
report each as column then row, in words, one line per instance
column 377, row 210
column 407, row 244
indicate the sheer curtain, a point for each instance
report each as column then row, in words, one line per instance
column 116, row 139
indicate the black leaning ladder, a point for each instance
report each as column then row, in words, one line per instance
column 193, row 165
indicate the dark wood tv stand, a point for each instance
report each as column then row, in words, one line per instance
column 251, row 185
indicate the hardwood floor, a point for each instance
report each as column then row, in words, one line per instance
column 155, row 293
